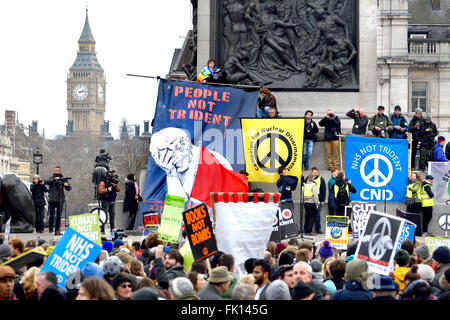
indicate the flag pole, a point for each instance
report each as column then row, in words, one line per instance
column 340, row 152
column 409, row 153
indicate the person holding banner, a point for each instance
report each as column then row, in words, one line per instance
column 286, row 184
column 311, row 203
column 412, row 200
column 427, row 202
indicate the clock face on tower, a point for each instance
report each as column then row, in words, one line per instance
column 100, row 92
column 80, row 92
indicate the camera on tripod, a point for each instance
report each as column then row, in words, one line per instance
column 113, row 179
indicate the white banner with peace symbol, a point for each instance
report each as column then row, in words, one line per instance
column 441, row 181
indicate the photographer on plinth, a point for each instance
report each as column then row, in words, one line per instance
column 56, row 185
column 107, row 192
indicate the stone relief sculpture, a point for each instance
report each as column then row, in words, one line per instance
column 289, row 44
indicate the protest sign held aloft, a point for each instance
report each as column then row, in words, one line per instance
column 378, row 168
column 193, row 125
column 358, row 213
column 441, row 181
column 270, row 144
column 88, row 225
column 71, row 253
column 378, row 241
column 336, row 231
column 199, row 231
column 171, row 219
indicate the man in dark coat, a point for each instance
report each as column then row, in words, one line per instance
column 309, row 136
column 56, row 184
column 170, row 268
column 131, row 200
column 38, row 190
column 414, row 127
column 332, row 125
column 356, row 288
column 360, row 121
column 427, row 134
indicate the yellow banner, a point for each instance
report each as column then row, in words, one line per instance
column 270, row 144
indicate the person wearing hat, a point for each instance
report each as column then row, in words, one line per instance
column 438, row 150
column 360, row 121
column 440, row 263
column 356, row 273
column 414, row 127
column 145, row 293
column 38, row 190
column 56, row 186
column 112, row 266
column 380, row 124
column 123, row 286
column 427, row 133
column 399, row 123
column 427, row 203
column 302, row 291
column 401, row 259
column 182, row 289
column 278, row 290
column 422, row 255
column 7, row 276
column 107, row 193
column 5, row 252
column 286, row 273
column 218, row 283
column 92, row 269
column 384, row 288
column 316, row 267
column 325, row 251
column 107, row 245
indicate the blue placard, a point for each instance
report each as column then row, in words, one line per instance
column 71, row 253
column 209, row 116
column 407, row 234
column 378, row 168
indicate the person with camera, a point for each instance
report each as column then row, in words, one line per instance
column 332, row 125
column 360, row 121
column 131, row 200
column 399, row 123
column 38, row 190
column 107, row 191
column 56, row 185
column 380, row 124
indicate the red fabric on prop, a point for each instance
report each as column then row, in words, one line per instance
column 212, row 176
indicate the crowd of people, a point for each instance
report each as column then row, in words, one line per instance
column 425, row 139
column 289, row 270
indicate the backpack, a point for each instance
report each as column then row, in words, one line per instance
column 342, row 197
column 430, row 153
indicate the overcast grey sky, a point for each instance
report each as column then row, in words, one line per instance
column 39, row 45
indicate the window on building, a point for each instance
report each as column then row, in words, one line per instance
column 419, row 96
column 417, row 35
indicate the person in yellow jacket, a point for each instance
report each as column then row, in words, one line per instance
column 401, row 260
column 311, row 203
column 413, row 192
column 427, row 196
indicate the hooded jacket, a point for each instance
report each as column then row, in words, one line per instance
column 399, row 277
column 353, row 291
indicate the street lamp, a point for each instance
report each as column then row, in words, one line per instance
column 37, row 159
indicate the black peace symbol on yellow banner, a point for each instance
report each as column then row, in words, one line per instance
column 268, row 162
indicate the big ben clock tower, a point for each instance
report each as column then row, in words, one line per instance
column 85, row 89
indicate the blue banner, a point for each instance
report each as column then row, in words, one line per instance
column 408, row 231
column 71, row 253
column 377, row 168
column 208, row 116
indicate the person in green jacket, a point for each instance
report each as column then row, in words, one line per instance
column 413, row 190
column 380, row 124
